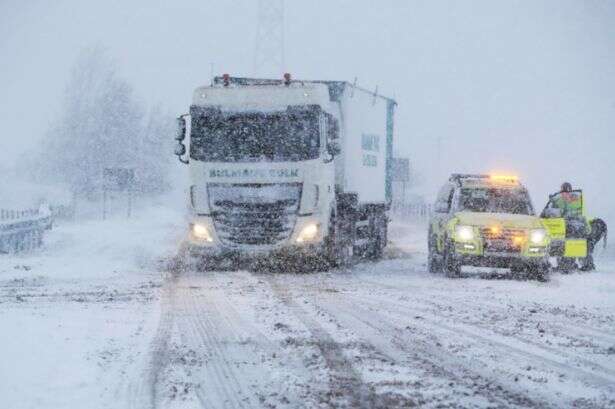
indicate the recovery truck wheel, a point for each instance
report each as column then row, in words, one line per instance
column 434, row 262
column 450, row 265
column 566, row 264
column 538, row 271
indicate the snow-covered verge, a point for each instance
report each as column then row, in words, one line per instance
column 96, row 319
column 76, row 314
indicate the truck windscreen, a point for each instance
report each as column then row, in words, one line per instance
column 495, row 200
column 254, row 136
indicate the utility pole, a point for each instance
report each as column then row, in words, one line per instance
column 269, row 47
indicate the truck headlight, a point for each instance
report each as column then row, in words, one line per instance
column 464, row 233
column 538, row 236
column 308, row 233
column 201, row 232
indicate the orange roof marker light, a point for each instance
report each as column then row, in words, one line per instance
column 507, row 179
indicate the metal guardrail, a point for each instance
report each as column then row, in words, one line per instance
column 22, row 230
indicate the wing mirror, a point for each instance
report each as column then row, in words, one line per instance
column 180, row 149
column 181, row 129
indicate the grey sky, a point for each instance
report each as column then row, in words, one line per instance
column 522, row 86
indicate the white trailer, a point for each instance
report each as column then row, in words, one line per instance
column 287, row 166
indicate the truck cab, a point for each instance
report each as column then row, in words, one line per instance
column 269, row 163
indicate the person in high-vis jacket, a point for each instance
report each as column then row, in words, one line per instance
column 571, row 203
column 577, row 225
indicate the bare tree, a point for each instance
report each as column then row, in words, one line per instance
column 102, row 125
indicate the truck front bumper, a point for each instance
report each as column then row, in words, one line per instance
column 499, row 260
column 473, row 254
column 213, row 247
column 220, row 253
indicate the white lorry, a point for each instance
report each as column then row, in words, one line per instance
column 287, row 166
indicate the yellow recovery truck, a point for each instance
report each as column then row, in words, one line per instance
column 487, row 221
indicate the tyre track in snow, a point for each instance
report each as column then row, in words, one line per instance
column 385, row 337
column 489, row 335
column 245, row 366
column 345, row 380
column 219, row 384
column 602, row 382
column 568, row 325
column 496, row 332
column 563, row 327
column 143, row 392
column 240, row 366
column 179, row 313
column 575, row 327
column 204, row 328
column 200, row 308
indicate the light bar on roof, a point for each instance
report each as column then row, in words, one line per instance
column 511, row 179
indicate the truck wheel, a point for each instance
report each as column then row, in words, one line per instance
column 378, row 235
column 338, row 244
column 450, row 265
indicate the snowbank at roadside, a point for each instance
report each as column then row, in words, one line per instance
column 77, row 315
column 97, row 249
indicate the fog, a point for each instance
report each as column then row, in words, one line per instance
column 517, row 86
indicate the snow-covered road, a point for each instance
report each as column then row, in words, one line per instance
column 104, row 322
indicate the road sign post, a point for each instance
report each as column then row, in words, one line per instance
column 118, row 180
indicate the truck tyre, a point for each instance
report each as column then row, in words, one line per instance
column 377, row 240
column 450, row 265
column 538, row 271
column 338, row 246
column 434, row 264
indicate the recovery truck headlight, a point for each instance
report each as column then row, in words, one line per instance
column 201, row 232
column 538, row 236
column 308, row 233
column 464, row 233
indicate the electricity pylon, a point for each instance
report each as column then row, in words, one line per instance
column 269, row 49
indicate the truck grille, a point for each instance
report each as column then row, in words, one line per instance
column 503, row 240
column 254, row 214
